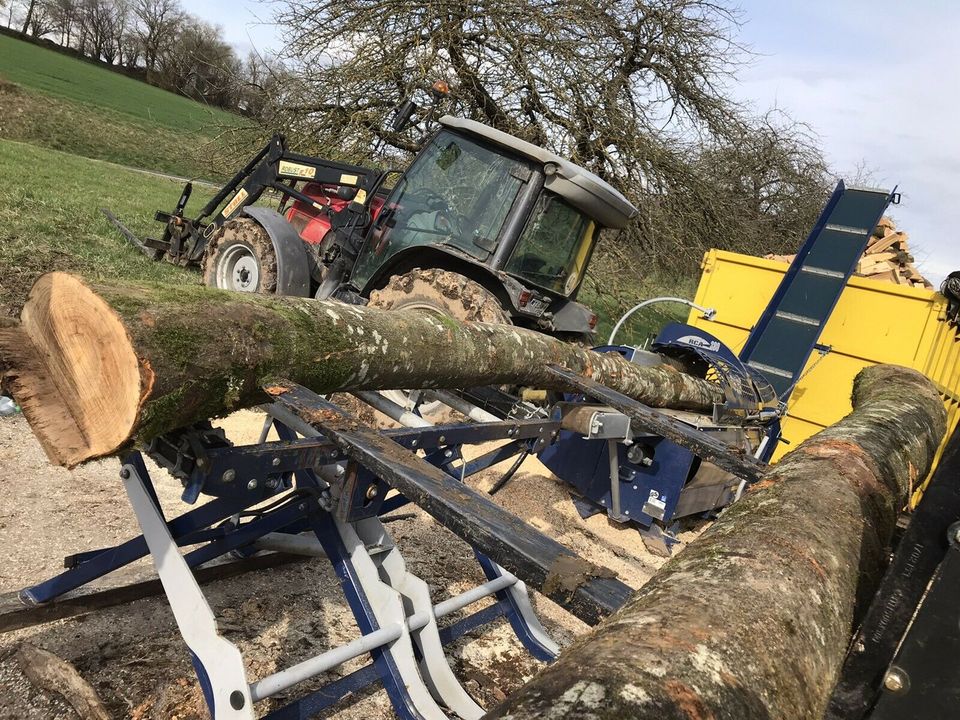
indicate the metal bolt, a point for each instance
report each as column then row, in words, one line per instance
column 626, row 512
column 301, row 507
column 272, row 483
column 956, row 534
column 371, row 491
column 334, row 453
column 895, row 680
column 252, row 484
column 237, row 700
column 442, row 439
column 634, row 487
column 124, row 474
column 448, row 453
column 229, row 475
column 201, row 462
column 275, row 462
column 413, row 443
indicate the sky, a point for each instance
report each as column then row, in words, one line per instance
column 878, row 81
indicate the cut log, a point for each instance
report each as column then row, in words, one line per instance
column 884, row 226
column 54, row 674
column 96, row 367
column 898, row 239
column 752, row 620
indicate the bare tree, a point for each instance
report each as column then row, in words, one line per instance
column 199, row 64
column 159, row 22
column 28, row 18
column 637, row 91
column 63, row 15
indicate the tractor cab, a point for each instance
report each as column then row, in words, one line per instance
column 504, row 212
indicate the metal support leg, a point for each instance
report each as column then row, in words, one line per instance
column 218, row 662
column 515, row 601
column 377, row 606
column 434, row 668
column 614, row 480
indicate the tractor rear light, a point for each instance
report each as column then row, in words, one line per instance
column 592, row 322
column 524, row 297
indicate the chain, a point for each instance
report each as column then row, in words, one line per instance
column 823, row 353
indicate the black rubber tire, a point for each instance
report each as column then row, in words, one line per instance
column 442, row 291
column 243, row 236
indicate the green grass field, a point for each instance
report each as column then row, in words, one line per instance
column 64, row 77
column 50, row 220
column 56, row 101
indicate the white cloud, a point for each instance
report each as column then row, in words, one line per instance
column 879, row 82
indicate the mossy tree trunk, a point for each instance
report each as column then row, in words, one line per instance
column 752, row 620
column 97, row 366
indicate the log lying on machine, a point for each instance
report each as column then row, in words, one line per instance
column 98, row 366
column 752, row 620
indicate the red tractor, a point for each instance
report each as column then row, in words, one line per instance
column 482, row 226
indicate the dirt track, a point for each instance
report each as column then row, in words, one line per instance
column 133, row 655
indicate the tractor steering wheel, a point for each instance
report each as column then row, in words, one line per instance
column 431, row 200
column 446, row 220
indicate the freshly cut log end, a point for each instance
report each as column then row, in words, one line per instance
column 73, row 370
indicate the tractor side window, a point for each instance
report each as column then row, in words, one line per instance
column 553, row 249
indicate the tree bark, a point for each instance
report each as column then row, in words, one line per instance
column 98, row 366
column 752, row 620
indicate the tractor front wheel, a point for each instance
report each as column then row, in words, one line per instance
column 440, row 291
column 240, row 257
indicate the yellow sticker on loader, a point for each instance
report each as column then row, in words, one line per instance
column 235, row 203
column 361, row 197
column 297, row 170
column 347, row 179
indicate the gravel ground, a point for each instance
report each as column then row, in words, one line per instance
column 133, row 655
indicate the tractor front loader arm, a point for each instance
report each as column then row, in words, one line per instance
column 185, row 240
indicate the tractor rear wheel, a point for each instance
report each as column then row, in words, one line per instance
column 443, row 292
column 240, row 257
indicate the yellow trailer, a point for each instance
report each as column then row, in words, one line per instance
column 874, row 322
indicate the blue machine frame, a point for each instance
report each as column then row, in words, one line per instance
column 240, row 478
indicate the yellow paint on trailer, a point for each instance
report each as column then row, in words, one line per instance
column 874, row 322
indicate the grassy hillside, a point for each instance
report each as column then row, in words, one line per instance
column 65, row 77
column 50, row 220
column 60, row 102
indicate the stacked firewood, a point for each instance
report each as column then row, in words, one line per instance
column 887, row 257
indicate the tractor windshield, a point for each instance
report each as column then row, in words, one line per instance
column 457, row 192
column 555, row 245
